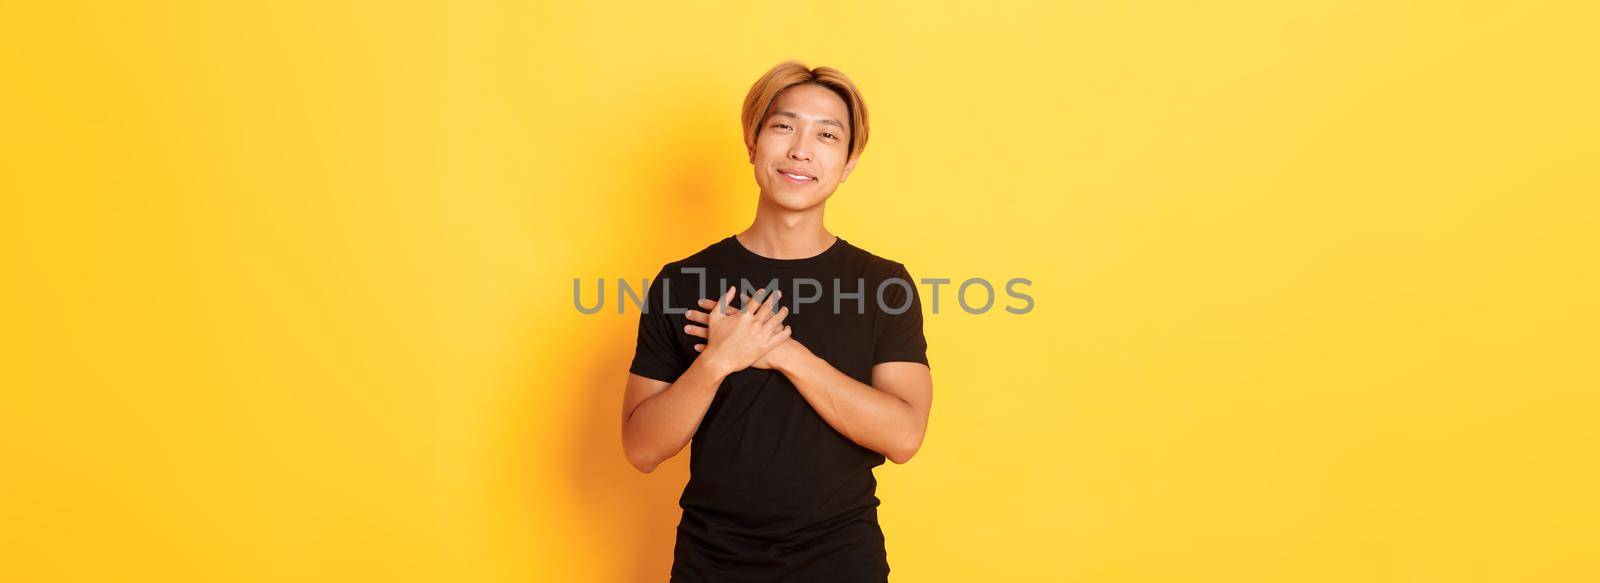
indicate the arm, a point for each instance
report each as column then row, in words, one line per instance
column 889, row 417
column 659, row 418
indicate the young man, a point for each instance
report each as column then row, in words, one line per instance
column 793, row 396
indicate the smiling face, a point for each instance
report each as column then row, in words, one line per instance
column 802, row 151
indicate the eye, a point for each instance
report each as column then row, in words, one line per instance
column 830, row 136
column 781, row 125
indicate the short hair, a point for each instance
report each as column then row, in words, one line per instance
column 791, row 73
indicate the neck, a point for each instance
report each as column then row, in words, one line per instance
column 781, row 233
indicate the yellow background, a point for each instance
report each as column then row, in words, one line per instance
column 287, row 285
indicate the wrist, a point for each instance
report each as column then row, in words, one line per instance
column 713, row 364
column 786, row 356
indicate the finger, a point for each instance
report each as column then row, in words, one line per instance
column 750, row 306
column 697, row 316
column 766, row 307
column 699, row 347
column 781, row 336
column 710, row 304
column 723, row 302
column 776, row 320
column 695, row 330
column 773, row 325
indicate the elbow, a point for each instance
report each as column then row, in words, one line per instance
column 903, row 454
column 639, row 458
column 642, row 462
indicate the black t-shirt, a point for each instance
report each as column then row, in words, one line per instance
column 774, row 492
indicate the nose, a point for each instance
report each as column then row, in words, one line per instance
column 798, row 150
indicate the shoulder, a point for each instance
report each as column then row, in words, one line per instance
column 878, row 266
column 711, row 254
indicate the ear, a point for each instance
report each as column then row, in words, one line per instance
column 848, row 166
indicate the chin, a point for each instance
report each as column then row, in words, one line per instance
column 796, row 201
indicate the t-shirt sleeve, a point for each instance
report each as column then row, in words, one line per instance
column 900, row 338
column 657, row 353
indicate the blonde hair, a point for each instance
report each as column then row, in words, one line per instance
column 791, row 73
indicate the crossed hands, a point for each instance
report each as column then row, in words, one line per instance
column 739, row 338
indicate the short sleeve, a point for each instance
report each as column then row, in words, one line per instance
column 900, row 335
column 657, row 353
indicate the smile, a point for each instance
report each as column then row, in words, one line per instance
column 796, row 178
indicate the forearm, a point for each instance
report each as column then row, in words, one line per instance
column 660, row 426
column 874, row 419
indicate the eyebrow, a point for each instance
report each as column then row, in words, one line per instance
column 826, row 120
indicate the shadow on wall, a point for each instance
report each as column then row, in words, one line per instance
column 637, row 514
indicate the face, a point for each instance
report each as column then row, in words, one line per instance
column 802, row 149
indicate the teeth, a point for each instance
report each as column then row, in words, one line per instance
column 797, row 176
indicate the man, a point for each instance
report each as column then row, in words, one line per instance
column 792, row 397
